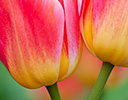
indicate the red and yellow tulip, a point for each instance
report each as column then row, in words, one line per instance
column 104, row 26
column 40, row 41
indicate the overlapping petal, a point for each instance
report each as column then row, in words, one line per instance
column 72, row 46
column 110, row 22
column 86, row 24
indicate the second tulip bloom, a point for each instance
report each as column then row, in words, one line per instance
column 104, row 26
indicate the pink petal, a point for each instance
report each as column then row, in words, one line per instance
column 72, row 45
column 31, row 36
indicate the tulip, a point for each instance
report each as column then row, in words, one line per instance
column 40, row 41
column 104, row 26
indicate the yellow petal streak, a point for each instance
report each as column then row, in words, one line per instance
column 64, row 64
column 87, row 26
column 74, row 65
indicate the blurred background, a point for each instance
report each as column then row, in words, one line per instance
column 76, row 87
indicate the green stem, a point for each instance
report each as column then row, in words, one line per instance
column 54, row 92
column 101, row 81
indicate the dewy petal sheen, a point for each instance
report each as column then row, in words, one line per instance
column 109, row 40
column 34, row 40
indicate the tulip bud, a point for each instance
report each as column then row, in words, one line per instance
column 40, row 41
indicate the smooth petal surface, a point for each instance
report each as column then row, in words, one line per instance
column 31, row 37
column 109, row 40
column 79, row 5
column 72, row 45
column 86, row 24
column 111, row 31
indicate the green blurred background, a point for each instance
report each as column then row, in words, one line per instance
column 9, row 89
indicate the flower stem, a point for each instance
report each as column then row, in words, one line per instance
column 54, row 92
column 101, row 81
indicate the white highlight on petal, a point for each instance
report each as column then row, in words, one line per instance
column 72, row 28
column 79, row 5
column 59, row 26
column 1, row 43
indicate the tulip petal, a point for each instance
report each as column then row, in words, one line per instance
column 72, row 46
column 79, row 5
column 31, row 36
column 86, row 24
column 111, row 31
